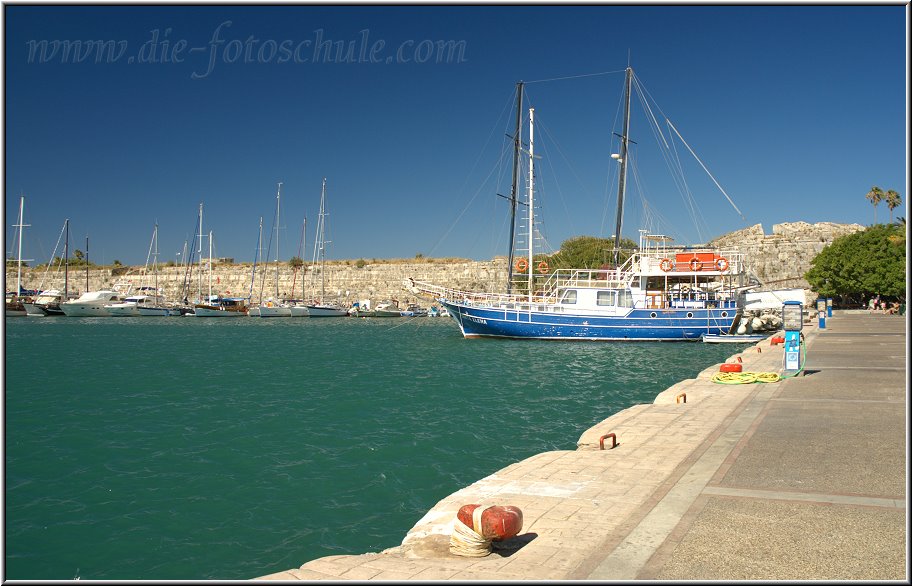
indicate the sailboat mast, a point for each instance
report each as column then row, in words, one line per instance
column 531, row 194
column 322, row 241
column 517, row 146
column 66, row 261
column 256, row 255
column 20, row 226
column 155, row 261
column 622, row 180
column 199, row 251
column 278, row 195
column 87, row 263
column 210, row 265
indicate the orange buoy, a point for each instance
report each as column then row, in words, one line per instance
column 496, row 522
column 695, row 265
column 777, row 340
column 522, row 264
column 665, row 265
column 730, row 367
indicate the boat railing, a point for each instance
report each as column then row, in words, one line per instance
column 725, row 261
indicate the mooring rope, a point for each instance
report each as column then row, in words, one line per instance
column 469, row 541
column 743, row 378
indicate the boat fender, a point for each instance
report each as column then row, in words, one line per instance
column 730, row 367
column 543, row 267
column 522, row 265
column 695, row 265
column 665, row 265
column 722, row 263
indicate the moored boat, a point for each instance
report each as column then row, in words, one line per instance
column 658, row 292
column 91, row 304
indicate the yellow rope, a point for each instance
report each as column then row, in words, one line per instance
column 744, row 378
column 468, row 541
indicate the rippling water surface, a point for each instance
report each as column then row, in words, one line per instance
column 190, row 448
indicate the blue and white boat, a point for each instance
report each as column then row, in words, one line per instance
column 658, row 293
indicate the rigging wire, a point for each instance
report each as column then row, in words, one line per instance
column 575, row 76
column 468, row 175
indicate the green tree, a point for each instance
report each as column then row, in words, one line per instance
column 79, row 255
column 117, row 263
column 295, row 262
column 589, row 252
column 875, row 196
column 893, row 201
column 862, row 264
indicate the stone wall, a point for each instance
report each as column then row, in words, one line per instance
column 376, row 280
column 779, row 260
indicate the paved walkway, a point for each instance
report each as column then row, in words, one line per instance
column 802, row 479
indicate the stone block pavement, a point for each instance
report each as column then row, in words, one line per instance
column 803, row 479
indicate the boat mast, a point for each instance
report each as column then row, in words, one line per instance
column 210, row 265
column 622, row 180
column 278, row 195
column 19, row 262
column 66, row 261
column 87, row 263
column 322, row 241
column 155, row 262
column 531, row 194
column 517, row 146
column 256, row 256
column 199, row 250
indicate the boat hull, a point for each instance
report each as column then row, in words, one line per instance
column 273, row 311
column 123, row 310
column 94, row 309
column 637, row 324
column 201, row 311
column 326, row 311
column 156, row 311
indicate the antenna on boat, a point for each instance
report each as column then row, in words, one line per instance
column 622, row 159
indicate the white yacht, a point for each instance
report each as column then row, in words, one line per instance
column 91, row 304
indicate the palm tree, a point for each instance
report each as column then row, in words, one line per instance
column 875, row 196
column 893, row 201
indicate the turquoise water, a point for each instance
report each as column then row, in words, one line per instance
column 187, row 448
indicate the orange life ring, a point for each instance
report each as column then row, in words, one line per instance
column 522, row 264
column 722, row 263
column 695, row 264
column 665, row 265
column 543, row 267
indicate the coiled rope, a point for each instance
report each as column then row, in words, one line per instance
column 743, row 378
column 468, row 541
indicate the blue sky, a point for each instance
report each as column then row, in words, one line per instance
column 796, row 111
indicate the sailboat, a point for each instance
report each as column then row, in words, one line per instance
column 272, row 307
column 216, row 305
column 47, row 301
column 15, row 301
column 91, row 303
column 321, row 308
column 658, row 293
column 154, row 305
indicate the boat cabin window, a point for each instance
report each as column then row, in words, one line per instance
column 625, row 299
column 569, row 297
column 606, row 298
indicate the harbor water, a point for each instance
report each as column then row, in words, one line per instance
column 191, row 448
